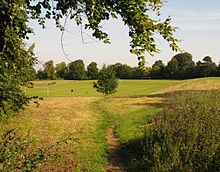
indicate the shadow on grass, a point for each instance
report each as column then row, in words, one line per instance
column 131, row 155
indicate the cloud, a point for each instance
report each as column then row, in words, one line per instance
column 197, row 16
column 199, row 27
column 190, row 15
column 196, row 20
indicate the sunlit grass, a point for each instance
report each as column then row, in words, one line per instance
column 86, row 115
column 62, row 88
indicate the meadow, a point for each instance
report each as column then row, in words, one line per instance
column 62, row 88
column 85, row 116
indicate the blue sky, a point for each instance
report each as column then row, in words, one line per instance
column 198, row 23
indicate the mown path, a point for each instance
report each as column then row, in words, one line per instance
column 116, row 156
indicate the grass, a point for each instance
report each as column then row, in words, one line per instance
column 62, row 88
column 59, row 118
column 185, row 136
column 86, row 117
column 129, row 115
column 195, row 84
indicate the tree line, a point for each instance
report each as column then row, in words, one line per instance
column 181, row 66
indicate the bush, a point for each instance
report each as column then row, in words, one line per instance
column 186, row 136
column 18, row 154
column 107, row 82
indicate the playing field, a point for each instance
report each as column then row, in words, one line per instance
column 62, row 88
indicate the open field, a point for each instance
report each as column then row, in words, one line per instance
column 86, row 117
column 62, row 88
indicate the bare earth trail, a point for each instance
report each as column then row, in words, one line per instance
column 116, row 156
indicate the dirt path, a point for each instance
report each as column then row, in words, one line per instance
column 116, row 156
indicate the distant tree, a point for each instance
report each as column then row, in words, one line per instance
column 122, row 71
column 206, row 68
column 76, row 70
column 218, row 70
column 139, row 73
column 61, row 70
column 172, row 68
column 107, row 82
column 41, row 74
column 181, row 66
column 92, row 70
column 49, row 70
column 157, row 70
column 209, row 66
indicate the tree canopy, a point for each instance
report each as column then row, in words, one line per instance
column 107, row 82
column 91, row 14
column 76, row 70
column 92, row 70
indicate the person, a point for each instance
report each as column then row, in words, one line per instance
column 71, row 91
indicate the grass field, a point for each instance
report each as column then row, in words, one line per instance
column 62, row 88
column 88, row 116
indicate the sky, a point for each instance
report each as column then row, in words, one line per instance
column 198, row 23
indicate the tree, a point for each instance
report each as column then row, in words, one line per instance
column 32, row 74
column 14, row 15
column 41, row 74
column 107, row 82
column 218, row 70
column 15, row 60
column 140, row 73
column 157, row 70
column 181, row 66
column 61, row 70
column 206, row 68
column 134, row 14
column 122, row 71
column 49, row 70
column 92, row 70
column 76, row 70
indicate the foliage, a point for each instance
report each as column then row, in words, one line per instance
column 16, row 62
column 76, row 70
column 206, row 68
column 49, row 70
column 181, row 66
column 92, row 70
column 41, row 74
column 122, row 71
column 107, row 82
column 185, row 136
column 158, row 70
column 61, row 70
column 16, row 153
column 15, row 14
column 140, row 73
column 91, row 14
column 218, row 70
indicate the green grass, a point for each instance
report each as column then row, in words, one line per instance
column 62, row 88
column 58, row 118
column 88, row 116
column 185, row 136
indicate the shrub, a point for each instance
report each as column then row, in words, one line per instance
column 107, row 82
column 186, row 136
column 17, row 153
